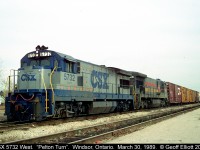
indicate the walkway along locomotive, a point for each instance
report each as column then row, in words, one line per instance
column 51, row 84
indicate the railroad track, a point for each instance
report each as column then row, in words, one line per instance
column 6, row 126
column 98, row 138
column 101, row 132
column 17, row 125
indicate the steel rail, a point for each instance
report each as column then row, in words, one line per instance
column 97, row 139
column 98, row 132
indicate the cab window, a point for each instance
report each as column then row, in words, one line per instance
column 69, row 67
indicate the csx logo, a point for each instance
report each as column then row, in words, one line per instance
column 27, row 77
column 99, row 80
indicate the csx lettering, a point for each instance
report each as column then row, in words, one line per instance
column 26, row 77
column 99, row 80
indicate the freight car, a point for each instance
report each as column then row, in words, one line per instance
column 51, row 84
column 181, row 95
column 174, row 93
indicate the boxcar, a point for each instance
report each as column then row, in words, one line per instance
column 184, row 94
column 189, row 95
column 178, row 94
column 174, row 93
column 171, row 92
column 197, row 96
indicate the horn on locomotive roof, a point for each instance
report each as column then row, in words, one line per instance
column 41, row 47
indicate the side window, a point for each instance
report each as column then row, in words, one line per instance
column 124, row 83
column 34, row 63
column 45, row 62
column 66, row 66
column 78, row 67
column 69, row 66
column 139, row 83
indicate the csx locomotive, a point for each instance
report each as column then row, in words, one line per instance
column 51, row 84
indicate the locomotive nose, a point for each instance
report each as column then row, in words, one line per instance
column 28, row 77
column 33, row 80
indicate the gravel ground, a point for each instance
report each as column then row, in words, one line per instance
column 181, row 129
column 32, row 131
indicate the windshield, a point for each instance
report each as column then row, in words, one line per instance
column 45, row 62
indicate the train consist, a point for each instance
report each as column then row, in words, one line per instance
column 51, row 84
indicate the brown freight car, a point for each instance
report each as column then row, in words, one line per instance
column 197, row 97
column 174, row 93
column 193, row 96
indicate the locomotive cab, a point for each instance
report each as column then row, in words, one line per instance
column 31, row 87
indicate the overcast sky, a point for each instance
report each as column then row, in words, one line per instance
column 160, row 38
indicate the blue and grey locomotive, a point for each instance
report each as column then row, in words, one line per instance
column 51, row 84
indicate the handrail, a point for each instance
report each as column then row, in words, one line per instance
column 5, row 87
column 51, row 83
column 45, row 90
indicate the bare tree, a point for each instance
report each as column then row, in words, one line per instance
column 3, row 83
